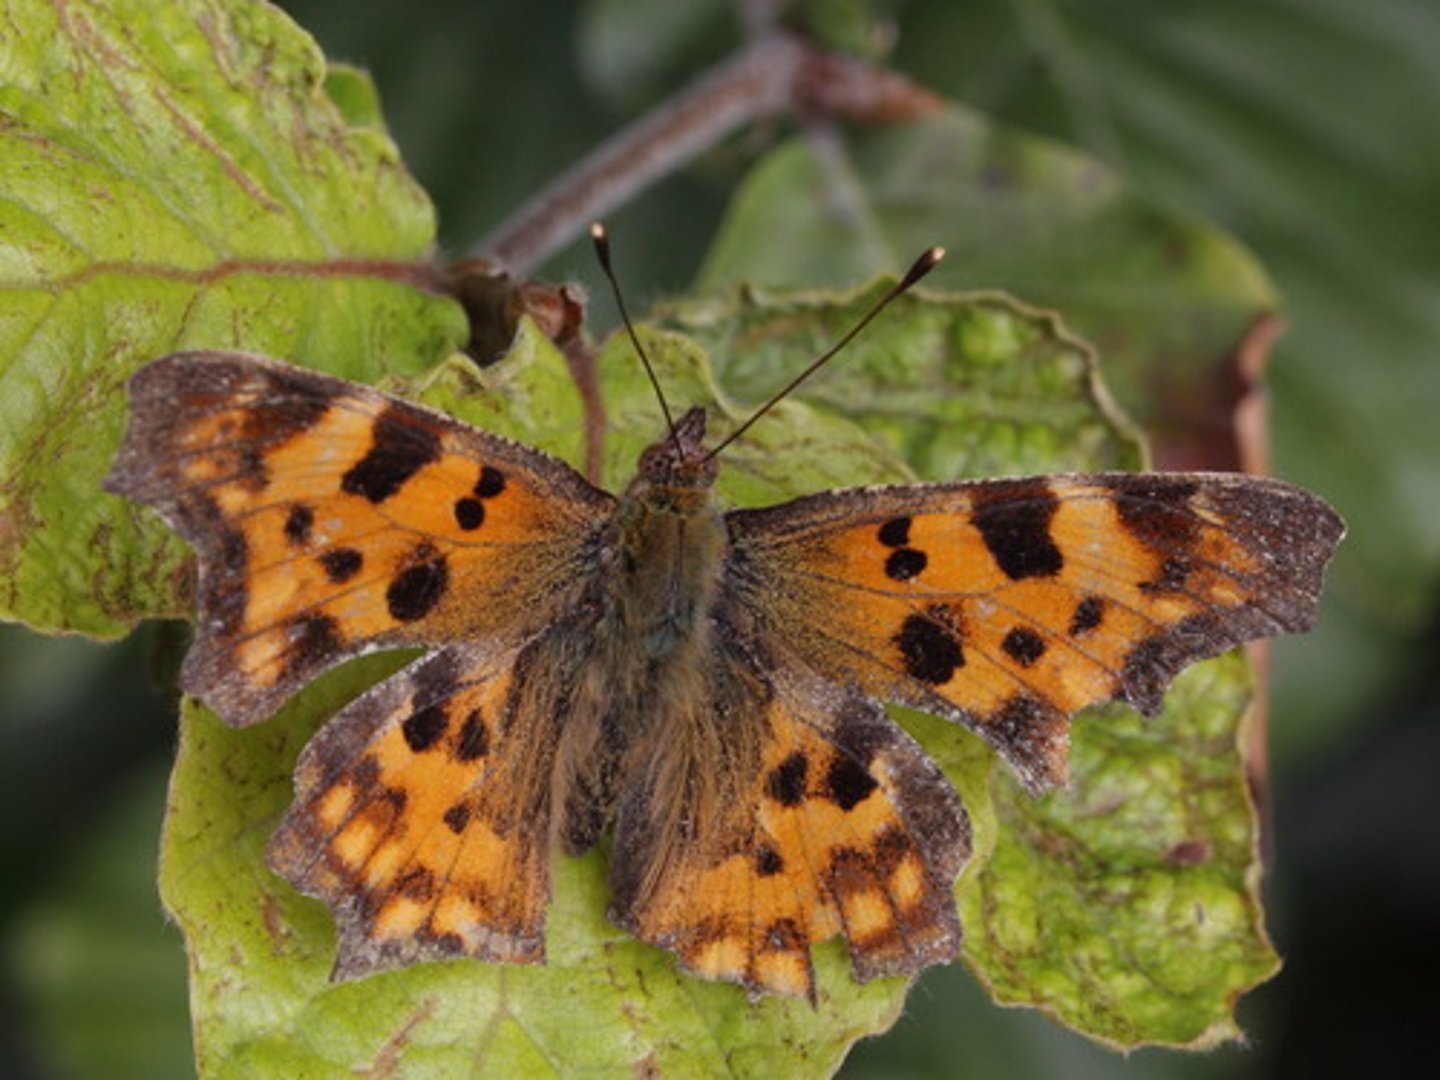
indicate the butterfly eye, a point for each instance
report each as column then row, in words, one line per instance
column 680, row 460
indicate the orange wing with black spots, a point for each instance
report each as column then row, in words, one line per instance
column 832, row 821
column 329, row 520
column 1008, row 605
column 705, row 683
column 421, row 815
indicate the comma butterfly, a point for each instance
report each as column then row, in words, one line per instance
column 705, row 683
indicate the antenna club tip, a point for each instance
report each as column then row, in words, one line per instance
column 600, row 240
column 928, row 260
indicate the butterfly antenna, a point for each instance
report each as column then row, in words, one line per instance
column 600, row 237
column 918, row 269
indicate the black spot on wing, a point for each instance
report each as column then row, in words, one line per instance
column 400, row 448
column 313, row 639
column 457, row 817
column 416, row 590
column 1014, row 521
column 786, row 782
column 290, row 407
column 298, row 524
column 1089, row 613
column 1156, row 509
column 424, row 727
column 469, row 513
column 895, row 532
column 905, row 563
column 473, row 742
column 341, row 564
column 490, row 484
column 848, row 784
column 1023, row 645
column 930, row 646
column 768, row 862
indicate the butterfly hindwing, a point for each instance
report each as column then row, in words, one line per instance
column 826, row 819
column 330, row 519
column 1010, row 604
column 421, row 815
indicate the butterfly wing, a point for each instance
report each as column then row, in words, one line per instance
column 1008, row 605
column 776, row 815
column 330, row 519
column 421, row 813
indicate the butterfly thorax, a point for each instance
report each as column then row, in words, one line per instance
column 653, row 633
column 671, row 541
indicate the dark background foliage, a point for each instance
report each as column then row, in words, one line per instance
column 1308, row 128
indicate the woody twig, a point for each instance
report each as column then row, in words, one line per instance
column 778, row 74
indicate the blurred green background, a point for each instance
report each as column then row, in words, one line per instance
column 1309, row 129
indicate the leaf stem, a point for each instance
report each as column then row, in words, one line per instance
column 776, row 74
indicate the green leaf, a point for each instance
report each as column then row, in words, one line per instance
column 1164, row 300
column 176, row 176
column 979, row 385
column 195, row 177
column 260, row 954
column 1126, row 905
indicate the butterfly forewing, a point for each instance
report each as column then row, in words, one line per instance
column 330, row 519
column 1009, row 605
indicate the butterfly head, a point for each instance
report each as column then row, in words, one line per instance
column 678, row 468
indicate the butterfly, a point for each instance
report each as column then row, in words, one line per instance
column 704, row 685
